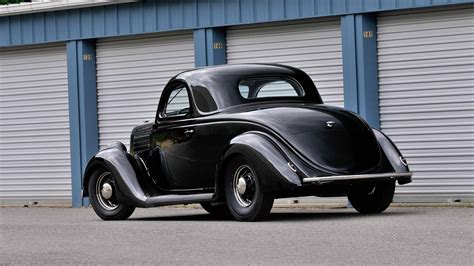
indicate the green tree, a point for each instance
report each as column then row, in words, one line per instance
column 4, row 2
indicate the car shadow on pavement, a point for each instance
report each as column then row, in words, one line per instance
column 278, row 216
column 293, row 216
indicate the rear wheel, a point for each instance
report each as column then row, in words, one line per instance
column 102, row 195
column 371, row 197
column 245, row 199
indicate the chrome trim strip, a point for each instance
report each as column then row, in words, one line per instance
column 355, row 177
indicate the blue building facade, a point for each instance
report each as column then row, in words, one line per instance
column 355, row 44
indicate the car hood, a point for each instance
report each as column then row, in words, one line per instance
column 329, row 137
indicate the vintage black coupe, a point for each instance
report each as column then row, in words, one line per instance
column 235, row 137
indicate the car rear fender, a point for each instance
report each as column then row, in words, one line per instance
column 395, row 157
column 270, row 162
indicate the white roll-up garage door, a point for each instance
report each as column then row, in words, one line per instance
column 426, row 79
column 34, row 126
column 131, row 73
column 312, row 46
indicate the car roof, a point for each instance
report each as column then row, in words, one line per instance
column 222, row 81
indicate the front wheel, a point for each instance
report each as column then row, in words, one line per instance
column 103, row 197
column 244, row 195
column 371, row 197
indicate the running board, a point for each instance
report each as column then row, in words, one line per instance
column 320, row 179
column 174, row 199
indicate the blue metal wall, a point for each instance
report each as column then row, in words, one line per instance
column 149, row 16
column 206, row 17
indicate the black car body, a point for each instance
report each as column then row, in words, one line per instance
column 268, row 119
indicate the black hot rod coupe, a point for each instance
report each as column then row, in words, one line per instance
column 235, row 137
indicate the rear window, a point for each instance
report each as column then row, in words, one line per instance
column 255, row 88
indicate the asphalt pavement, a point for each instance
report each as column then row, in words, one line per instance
column 405, row 235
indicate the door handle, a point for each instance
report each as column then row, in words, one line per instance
column 189, row 131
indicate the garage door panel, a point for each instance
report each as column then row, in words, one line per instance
column 432, row 118
column 459, row 68
column 29, row 60
column 426, row 77
column 144, row 48
column 36, row 115
column 427, row 124
column 435, row 92
column 456, row 84
column 119, row 111
column 108, row 69
column 34, row 125
column 130, row 105
column 146, row 88
column 29, row 97
column 35, row 85
column 146, row 58
column 314, row 47
column 434, row 130
column 34, row 73
column 396, row 56
column 428, row 63
column 131, row 73
column 134, row 76
column 426, row 80
column 286, row 52
column 258, row 45
column 440, row 35
column 423, row 21
column 435, row 137
column 426, row 110
column 55, row 66
column 298, row 34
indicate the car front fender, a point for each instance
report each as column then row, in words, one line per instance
column 121, row 165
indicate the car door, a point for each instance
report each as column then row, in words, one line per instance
column 174, row 141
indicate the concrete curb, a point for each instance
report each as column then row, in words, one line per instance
column 288, row 205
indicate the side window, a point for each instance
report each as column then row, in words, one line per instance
column 244, row 90
column 178, row 102
column 279, row 88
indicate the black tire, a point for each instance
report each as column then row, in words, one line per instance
column 107, row 209
column 253, row 204
column 220, row 211
column 371, row 197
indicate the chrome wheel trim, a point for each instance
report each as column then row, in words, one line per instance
column 104, row 191
column 244, row 186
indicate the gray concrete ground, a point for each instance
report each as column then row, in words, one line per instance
column 404, row 235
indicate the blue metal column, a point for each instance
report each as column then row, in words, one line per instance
column 209, row 47
column 74, row 123
column 359, row 56
column 82, row 111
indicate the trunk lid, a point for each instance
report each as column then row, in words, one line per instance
column 329, row 137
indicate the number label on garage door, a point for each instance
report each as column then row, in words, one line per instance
column 87, row 57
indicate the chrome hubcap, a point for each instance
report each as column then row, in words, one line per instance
column 241, row 186
column 244, row 186
column 104, row 190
